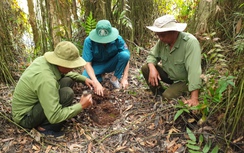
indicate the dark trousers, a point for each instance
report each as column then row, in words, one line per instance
column 173, row 91
column 36, row 116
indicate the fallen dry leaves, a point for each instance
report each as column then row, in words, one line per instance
column 145, row 124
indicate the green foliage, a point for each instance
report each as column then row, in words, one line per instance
column 212, row 95
column 242, row 5
column 216, row 86
column 183, row 9
column 182, row 108
column 197, row 146
column 214, row 52
column 124, row 19
column 215, row 56
column 90, row 24
column 238, row 45
column 234, row 112
column 13, row 24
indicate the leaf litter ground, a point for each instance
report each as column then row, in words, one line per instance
column 131, row 120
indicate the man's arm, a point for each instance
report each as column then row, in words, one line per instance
column 76, row 76
column 124, row 80
column 97, row 85
column 90, row 71
column 126, row 71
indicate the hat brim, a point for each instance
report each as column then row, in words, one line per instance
column 179, row 27
column 106, row 39
column 52, row 58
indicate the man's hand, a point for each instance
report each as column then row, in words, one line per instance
column 193, row 101
column 153, row 75
column 124, row 83
column 89, row 83
column 86, row 101
column 98, row 88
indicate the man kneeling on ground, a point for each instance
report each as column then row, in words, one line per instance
column 43, row 96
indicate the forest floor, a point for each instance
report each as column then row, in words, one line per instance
column 131, row 120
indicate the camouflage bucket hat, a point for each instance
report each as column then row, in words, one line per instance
column 65, row 54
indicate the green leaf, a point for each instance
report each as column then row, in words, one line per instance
column 213, row 56
column 217, row 46
column 178, row 113
column 193, row 151
column 193, row 147
column 90, row 24
column 191, row 135
column 220, row 55
column 215, row 60
column 181, row 103
column 206, row 148
column 186, row 110
column 231, row 83
column 198, row 107
column 219, row 50
column 200, row 139
column 211, row 51
column 215, row 149
column 191, row 142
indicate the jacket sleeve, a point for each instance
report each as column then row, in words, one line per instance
column 193, row 64
column 76, row 76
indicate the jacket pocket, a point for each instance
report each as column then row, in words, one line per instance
column 180, row 66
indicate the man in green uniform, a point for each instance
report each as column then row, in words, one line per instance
column 175, row 60
column 43, row 96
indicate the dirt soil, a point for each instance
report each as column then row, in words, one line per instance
column 103, row 111
column 127, row 120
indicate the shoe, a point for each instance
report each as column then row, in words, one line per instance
column 51, row 130
column 115, row 83
column 51, row 133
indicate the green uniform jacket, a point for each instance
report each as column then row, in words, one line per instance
column 182, row 62
column 39, row 83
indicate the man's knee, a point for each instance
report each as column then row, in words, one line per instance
column 66, row 82
column 68, row 91
column 169, row 95
column 125, row 56
column 66, row 96
column 144, row 69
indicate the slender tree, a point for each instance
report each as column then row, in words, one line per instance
column 141, row 15
column 53, row 22
column 63, row 8
column 75, row 14
column 32, row 21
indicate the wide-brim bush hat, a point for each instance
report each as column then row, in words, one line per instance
column 104, row 32
column 167, row 23
column 65, row 54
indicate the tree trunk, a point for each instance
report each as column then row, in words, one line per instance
column 45, row 30
column 74, row 12
column 64, row 16
column 32, row 20
column 141, row 20
column 206, row 9
column 54, row 24
column 96, row 7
